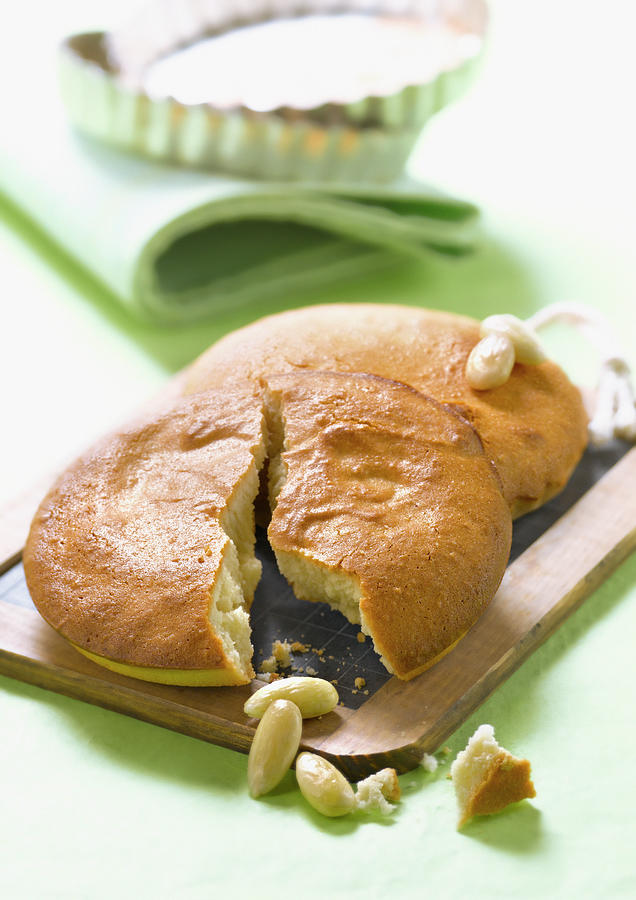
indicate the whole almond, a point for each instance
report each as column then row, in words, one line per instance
column 313, row 696
column 490, row 362
column 323, row 786
column 274, row 746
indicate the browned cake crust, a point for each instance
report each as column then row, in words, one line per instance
column 125, row 550
column 533, row 427
column 394, row 490
column 507, row 781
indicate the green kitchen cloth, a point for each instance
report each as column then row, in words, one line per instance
column 177, row 244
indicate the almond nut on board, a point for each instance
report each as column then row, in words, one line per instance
column 312, row 696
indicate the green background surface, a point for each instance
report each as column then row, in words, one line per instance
column 96, row 805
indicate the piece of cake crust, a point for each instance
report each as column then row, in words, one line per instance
column 487, row 778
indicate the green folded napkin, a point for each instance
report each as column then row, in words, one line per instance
column 177, row 244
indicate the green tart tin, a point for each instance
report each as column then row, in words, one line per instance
column 315, row 90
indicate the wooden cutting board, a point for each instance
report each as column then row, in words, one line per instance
column 560, row 554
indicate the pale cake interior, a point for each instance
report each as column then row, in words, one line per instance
column 239, row 573
column 314, row 581
column 229, row 617
column 237, row 522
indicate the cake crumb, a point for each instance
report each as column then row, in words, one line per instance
column 429, row 763
column 361, row 637
column 309, row 670
column 268, row 676
column 380, row 791
column 281, row 650
column 297, row 647
column 269, row 665
column 280, row 658
column 360, row 683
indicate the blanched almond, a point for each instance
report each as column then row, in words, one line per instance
column 490, row 362
column 274, row 746
column 313, row 696
column 323, row 786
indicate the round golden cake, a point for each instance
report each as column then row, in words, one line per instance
column 534, row 427
column 392, row 483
